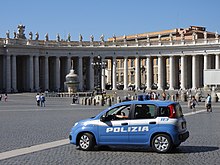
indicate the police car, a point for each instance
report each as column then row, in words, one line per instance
column 157, row 124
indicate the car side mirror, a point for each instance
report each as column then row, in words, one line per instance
column 103, row 118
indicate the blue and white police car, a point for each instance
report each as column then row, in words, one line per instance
column 157, row 124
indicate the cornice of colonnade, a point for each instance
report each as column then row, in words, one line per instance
column 111, row 51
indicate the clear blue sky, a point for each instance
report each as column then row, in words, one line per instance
column 106, row 17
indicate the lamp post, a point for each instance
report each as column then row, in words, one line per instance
column 99, row 71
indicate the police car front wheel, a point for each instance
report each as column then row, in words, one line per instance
column 161, row 143
column 86, row 142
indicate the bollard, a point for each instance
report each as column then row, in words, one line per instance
column 81, row 101
column 197, row 96
column 183, row 97
column 94, row 102
column 214, row 97
column 89, row 101
column 85, row 103
column 113, row 99
column 102, row 101
column 118, row 99
column 109, row 102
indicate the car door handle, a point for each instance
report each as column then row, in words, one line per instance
column 152, row 122
column 124, row 123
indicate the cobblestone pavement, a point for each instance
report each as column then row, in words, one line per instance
column 22, row 124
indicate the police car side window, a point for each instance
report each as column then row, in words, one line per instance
column 117, row 113
column 164, row 112
column 144, row 111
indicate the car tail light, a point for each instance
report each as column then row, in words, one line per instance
column 172, row 111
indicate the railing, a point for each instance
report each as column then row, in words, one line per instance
column 53, row 43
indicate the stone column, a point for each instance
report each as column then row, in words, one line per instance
column 8, row 73
column 194, row 72
column 58, row 73
column 80, row 73
column 14, row 73
column 31, row 73
column 205, row 67
column 217, row 61
column 46, row 67
column 171, row 73
column 137, row 73
column 37, row 73
column 149, row 72
column 91, row 74
column 114, row 73
column 205, row 62
column 103, row 75
column 68, row 65
column 160, row 73
column 183, row 73
column 126, row 73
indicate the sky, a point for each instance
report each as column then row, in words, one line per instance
column 107, row 17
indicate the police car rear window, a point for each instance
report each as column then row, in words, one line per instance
column 166, row 112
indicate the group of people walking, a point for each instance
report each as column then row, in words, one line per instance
column 40, row 100
column 5, row 97
column 208, row 102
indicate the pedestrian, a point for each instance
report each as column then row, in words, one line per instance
column 164, row 95
column 1, row 97
column 6, row 97
column 38, row 99
column 42, row 100
column 168, row 96
column 75, row 99
column 193, row 103
column 209, row 103
column 177, row 96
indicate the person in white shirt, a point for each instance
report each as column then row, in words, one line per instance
column 38, row 99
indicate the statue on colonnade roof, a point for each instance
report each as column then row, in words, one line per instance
column 36, row 36
column 15, row 35
column 125, row 38
column 58, row 37
column 46, row 37
column 216, row 34
column 102, row 38
column 114, row 38
column 7, row 34
column 80, row 38
column 69, row 37
column 20, row 32
column 91, row 38
column 30, row 35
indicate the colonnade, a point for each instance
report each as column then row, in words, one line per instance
column 35, row 72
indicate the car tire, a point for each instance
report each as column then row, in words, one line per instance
column 86, row 142
column 161, row 143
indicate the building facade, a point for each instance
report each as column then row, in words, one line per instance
column 170, row 59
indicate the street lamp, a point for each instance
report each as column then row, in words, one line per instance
column 99, row 72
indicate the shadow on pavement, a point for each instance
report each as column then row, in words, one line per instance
column 179, row 150
column 194, row 149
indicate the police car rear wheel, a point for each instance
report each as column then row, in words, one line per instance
column 86, row 142
column 161, row 143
